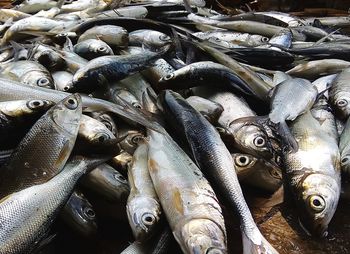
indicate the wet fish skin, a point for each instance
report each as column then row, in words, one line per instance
column 150, row 39
column 344, row 148
column 17, row 117
column 28, row 72
column 104, row 68
column 313, row 173
column 238, row 123
column 143, row 207
column 56, row 132
column 339, row 94
column 107, row 120
column 216, row 161
column 108, row 183
column 209, row 109
column 112, row 35
column 188, row 201
column 62, row 79
column 26, row 215
column 79, row 215
column 257, row 172
column 6, row 14
column 204, row 73
column 290, row 99
column 95, row 137
column 92, row 48
column 10, row 90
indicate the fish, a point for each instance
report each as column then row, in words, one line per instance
column 339, row 93
column 149, row 39
column 312, row 173
column 108, row 68
column 11, row 90
column 79, row 215
column 62, row 79
column 216, row 162
column 112, row 35
column 108, row 183
column 209, row 109
column 17, row 117
column 95, row 137
column 32, row 210
column 344, row 148
column 143, row 207
column 257, row 172
column 28, row 72
column 204, row 73
column 290, row 99
column 92, row 48
column 56, row 132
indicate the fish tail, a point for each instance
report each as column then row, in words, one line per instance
column 286, row 136
column 257, row 246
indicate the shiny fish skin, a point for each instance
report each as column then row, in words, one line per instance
column 92, row 48
column 108, row 183
column 187, row 199
column 215, row 160
column 28, row 72
column 344, row 148
column 10, row 90
column 55, row 132
column 79, row 215
column 62, row 79
column 26, row 215
column 314, row 180
column 209, row 109
column 105, row 68
column 339, row 94
column 112, row 35
column 143, row 207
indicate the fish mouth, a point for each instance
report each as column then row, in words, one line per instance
column 317, row 230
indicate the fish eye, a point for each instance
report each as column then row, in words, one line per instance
column 148, row 219
column 71, row 103
column 120, row 178
column 101, row 49
column 259, row 141
column 89, row 213
column 264, row 39
column 342, row 103
column 137, row 139
column 101, row 137
column 275, row 173
column 66, row 88
column 169, row 76
column 43, row 82
column 216, row 39
column 242, row 161
column 317, row 203
column 344, row 160
column 35, row 104
column 164, row 37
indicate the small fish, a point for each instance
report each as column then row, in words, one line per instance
column 92, row 48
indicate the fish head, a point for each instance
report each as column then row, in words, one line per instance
column 107, row 120
column 101, row 48
column 143, row 215
column 202, row 236
column 319, row 194
column 124, row 95
column 342, row 105
column 244, row 164
column 131, row 140
column 67, row 113
column 251, row 139
column 38, row 78
column 24, row 108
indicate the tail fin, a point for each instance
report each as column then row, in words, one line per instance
column 259, row 246
column 286, row 136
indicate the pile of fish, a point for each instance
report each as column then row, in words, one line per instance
column 164, row 109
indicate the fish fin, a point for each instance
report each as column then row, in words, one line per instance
column 320, row 94
column 259, row 246
column 68, row 45
column 275, row 199
column 287, row 137
column 16, row 48
column 177, row 44
column 325, row 37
